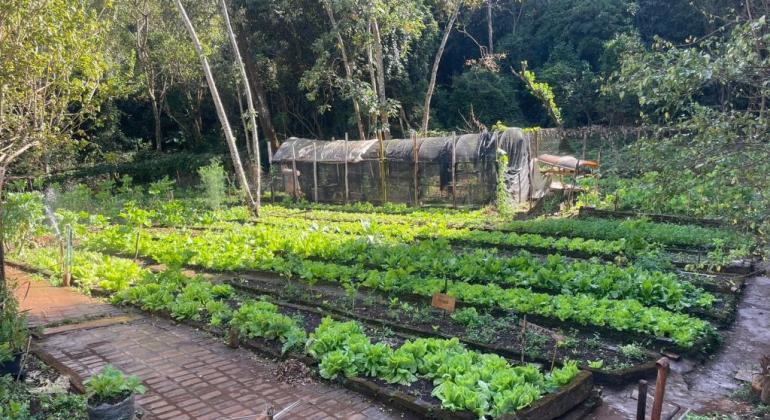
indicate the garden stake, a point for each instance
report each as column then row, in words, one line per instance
column 315, row 174
column 660, row 388
column 454, row 163
column 62, row 259
column 347, row 192
column 764, row 380
column 523, row 338
column 294, row 172
column 68, row 258
column 641, row 401
column 553, row 359
column 24, row 358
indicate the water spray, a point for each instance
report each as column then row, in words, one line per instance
column 67, row 260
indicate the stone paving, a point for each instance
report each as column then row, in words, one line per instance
column 188, row 373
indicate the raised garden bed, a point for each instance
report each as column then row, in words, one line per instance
column 415, row 397
column 662, row 218
column 435, row 323
column 718, row 283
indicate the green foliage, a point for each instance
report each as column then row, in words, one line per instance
column 23, row 218
column 13, row 327
column 503, row 199
column 111, row 386
column 596, row 364
column 337, row 362
column 543, row 92
column 632, row 351
column 619, row 293
column 213, row 179
column 562, row 376
column 56, row 45
column 261, row 319
column 20, row 401
column 710, row 161
column 488, row 95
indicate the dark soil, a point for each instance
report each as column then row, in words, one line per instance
column 96, row 401
column 293, row 372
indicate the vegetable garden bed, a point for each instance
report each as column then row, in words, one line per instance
column 435, row 323
column 661, row 218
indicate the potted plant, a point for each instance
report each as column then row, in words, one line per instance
column 111, row 395
column 13, row 335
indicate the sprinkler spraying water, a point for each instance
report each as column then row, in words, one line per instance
column 49, row 198
column 65, row 243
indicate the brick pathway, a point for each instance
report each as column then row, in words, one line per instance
column 188, row 373
column 46, row 305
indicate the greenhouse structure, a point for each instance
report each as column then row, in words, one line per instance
column 460, row 170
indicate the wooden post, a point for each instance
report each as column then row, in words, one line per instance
column 641, row 400
column 294, row 172
column 523, row 337
column 416, row 158
column 660, row 388
column 383, row 179
column 315, row 174
column 585, row 140
column 454, row 163
column 347, row 191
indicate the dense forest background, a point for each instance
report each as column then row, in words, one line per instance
column 294, row 55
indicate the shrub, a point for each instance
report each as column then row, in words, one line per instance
column 213, row 180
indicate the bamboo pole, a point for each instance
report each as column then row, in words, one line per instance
column 383, row 179
column 315, row 174
column 256, row 160
column 416, row 158
column 347, row 191
column 294, row 172
column 221, row 113
column 454, row 163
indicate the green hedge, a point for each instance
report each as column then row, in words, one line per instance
column 147, row 167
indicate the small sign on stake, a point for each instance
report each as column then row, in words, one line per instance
column 443, row 301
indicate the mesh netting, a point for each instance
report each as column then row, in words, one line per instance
column 321, row 168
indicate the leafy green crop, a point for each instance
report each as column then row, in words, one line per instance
column 111, row 386
column 261, row 319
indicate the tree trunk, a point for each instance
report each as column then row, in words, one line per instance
column 381, row 80
column 263, row 109
column 489, row 27
column 239, row 172
column 2, row 233
column 373, row 82
column 256, row 161
column 517, row 16
column 348, row 68
column 436, row 61
column 156, row 117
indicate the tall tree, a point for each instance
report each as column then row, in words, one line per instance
column 221, row 113
column 348, row 67
column 436, row 61
column 490, row 32
column 256, row 162
column 52, row 61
